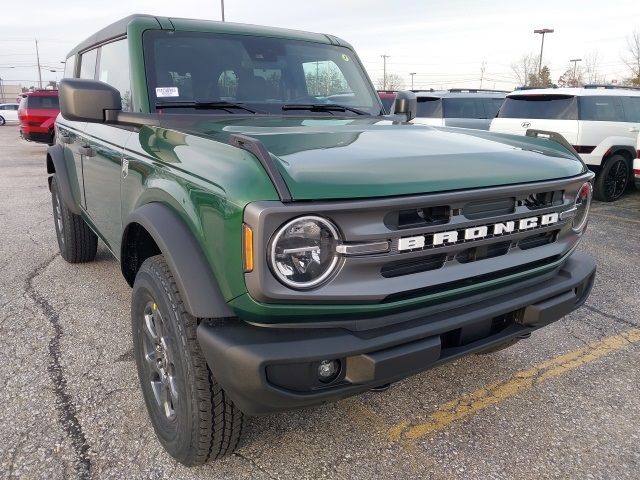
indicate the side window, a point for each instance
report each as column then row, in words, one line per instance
column 601, row 109
column 70, row 67
column 462, row 108
column 113, row 68
column 491, row 106
column 631, row 106
column 429, row 107
column 88, row 64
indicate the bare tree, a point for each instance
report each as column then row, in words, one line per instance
column 525, row 67
column 633, row 57
column 591, row 67
column 572, row 77
column 394, row 82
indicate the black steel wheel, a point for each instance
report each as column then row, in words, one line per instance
column 613, row 179
column 194, row 419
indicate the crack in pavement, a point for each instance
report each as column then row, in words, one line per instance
column 610, row 316
column 64, row 403
column 255, row 465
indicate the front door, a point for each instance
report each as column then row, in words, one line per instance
column 102, row 152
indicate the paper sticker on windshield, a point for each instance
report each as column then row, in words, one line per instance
column 167, row 92
column 345, row 57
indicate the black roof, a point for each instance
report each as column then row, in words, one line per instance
column 115, row 30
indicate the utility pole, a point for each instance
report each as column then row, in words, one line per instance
column 222, row 8
column 483, row 67
column 412, row 74
column 575, row 64
column 542, row 31
column 39, row 71
column 384, row 71
column 2, row 91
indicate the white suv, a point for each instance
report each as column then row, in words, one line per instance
column 636, row 164
column 601, row 122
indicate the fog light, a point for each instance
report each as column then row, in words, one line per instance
column 328, row 370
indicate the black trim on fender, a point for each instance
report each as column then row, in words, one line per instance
column 57, row 160
column 615, row 149
column 197, row 284
column 255, row 146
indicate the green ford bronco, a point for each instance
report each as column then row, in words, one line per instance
column 288, row 243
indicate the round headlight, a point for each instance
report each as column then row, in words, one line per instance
column 582, row 203
column 303, row 252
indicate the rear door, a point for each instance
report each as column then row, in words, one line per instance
column 602, row 116
column 103, row 148
column 551, row 112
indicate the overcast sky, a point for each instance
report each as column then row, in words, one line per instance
column 444, row 42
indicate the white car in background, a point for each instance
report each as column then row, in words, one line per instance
column 601, row 122
column 636, row 164
column 8, row 113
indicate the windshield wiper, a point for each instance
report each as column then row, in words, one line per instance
column 322, row 107
column 228, row 106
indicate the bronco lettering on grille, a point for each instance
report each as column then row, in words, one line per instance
column 476, row 233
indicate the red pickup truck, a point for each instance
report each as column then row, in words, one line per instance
column 37, row 114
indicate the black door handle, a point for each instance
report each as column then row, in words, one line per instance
column 87, row 151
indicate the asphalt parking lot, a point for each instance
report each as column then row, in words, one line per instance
column 563, row 404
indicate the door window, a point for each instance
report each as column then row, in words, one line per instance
column 70, row 67
column 429, row 107
column 113, row 68
column 631, row 106
column 601, row 109
column 88, row 64
column 463, row 108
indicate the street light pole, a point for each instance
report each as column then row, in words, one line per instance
column 412, row 74
column 542, row 31
column 384, row 71
column 39, row 70
column 222, row 8
column 575, row 64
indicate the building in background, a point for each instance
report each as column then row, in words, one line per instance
column 10, row 93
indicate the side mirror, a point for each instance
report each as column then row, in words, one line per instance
column 83, row 100
column 405, row 103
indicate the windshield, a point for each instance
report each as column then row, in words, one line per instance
column 260, row 73
column 557, row 107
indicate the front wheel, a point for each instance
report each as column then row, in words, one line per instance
column 191, row 414
column 612, row 180
column 2, row 121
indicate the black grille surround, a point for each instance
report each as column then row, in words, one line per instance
column 402, row 274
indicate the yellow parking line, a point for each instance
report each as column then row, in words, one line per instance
column 470, row 403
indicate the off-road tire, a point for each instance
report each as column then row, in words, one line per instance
column 206, row 424
column 77, row 242
column 616, row 166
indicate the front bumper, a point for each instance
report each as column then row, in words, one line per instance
column 268, row 369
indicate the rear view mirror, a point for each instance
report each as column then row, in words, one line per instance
column 83, row 100
column 405, row 103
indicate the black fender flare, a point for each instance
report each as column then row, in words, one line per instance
column 195, row 280
column 616, row 149
column 57, row 164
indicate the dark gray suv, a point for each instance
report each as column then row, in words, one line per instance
column 465, row 108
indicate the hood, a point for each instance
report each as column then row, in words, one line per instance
column 323, row 158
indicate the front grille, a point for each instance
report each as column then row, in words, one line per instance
column 538, row 240
column 536, row 201
column 466, row 282
column 489, row 208
column 406, row 267
column 485, row 251
column 418, row 217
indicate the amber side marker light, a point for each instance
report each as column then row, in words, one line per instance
column 247, row 248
